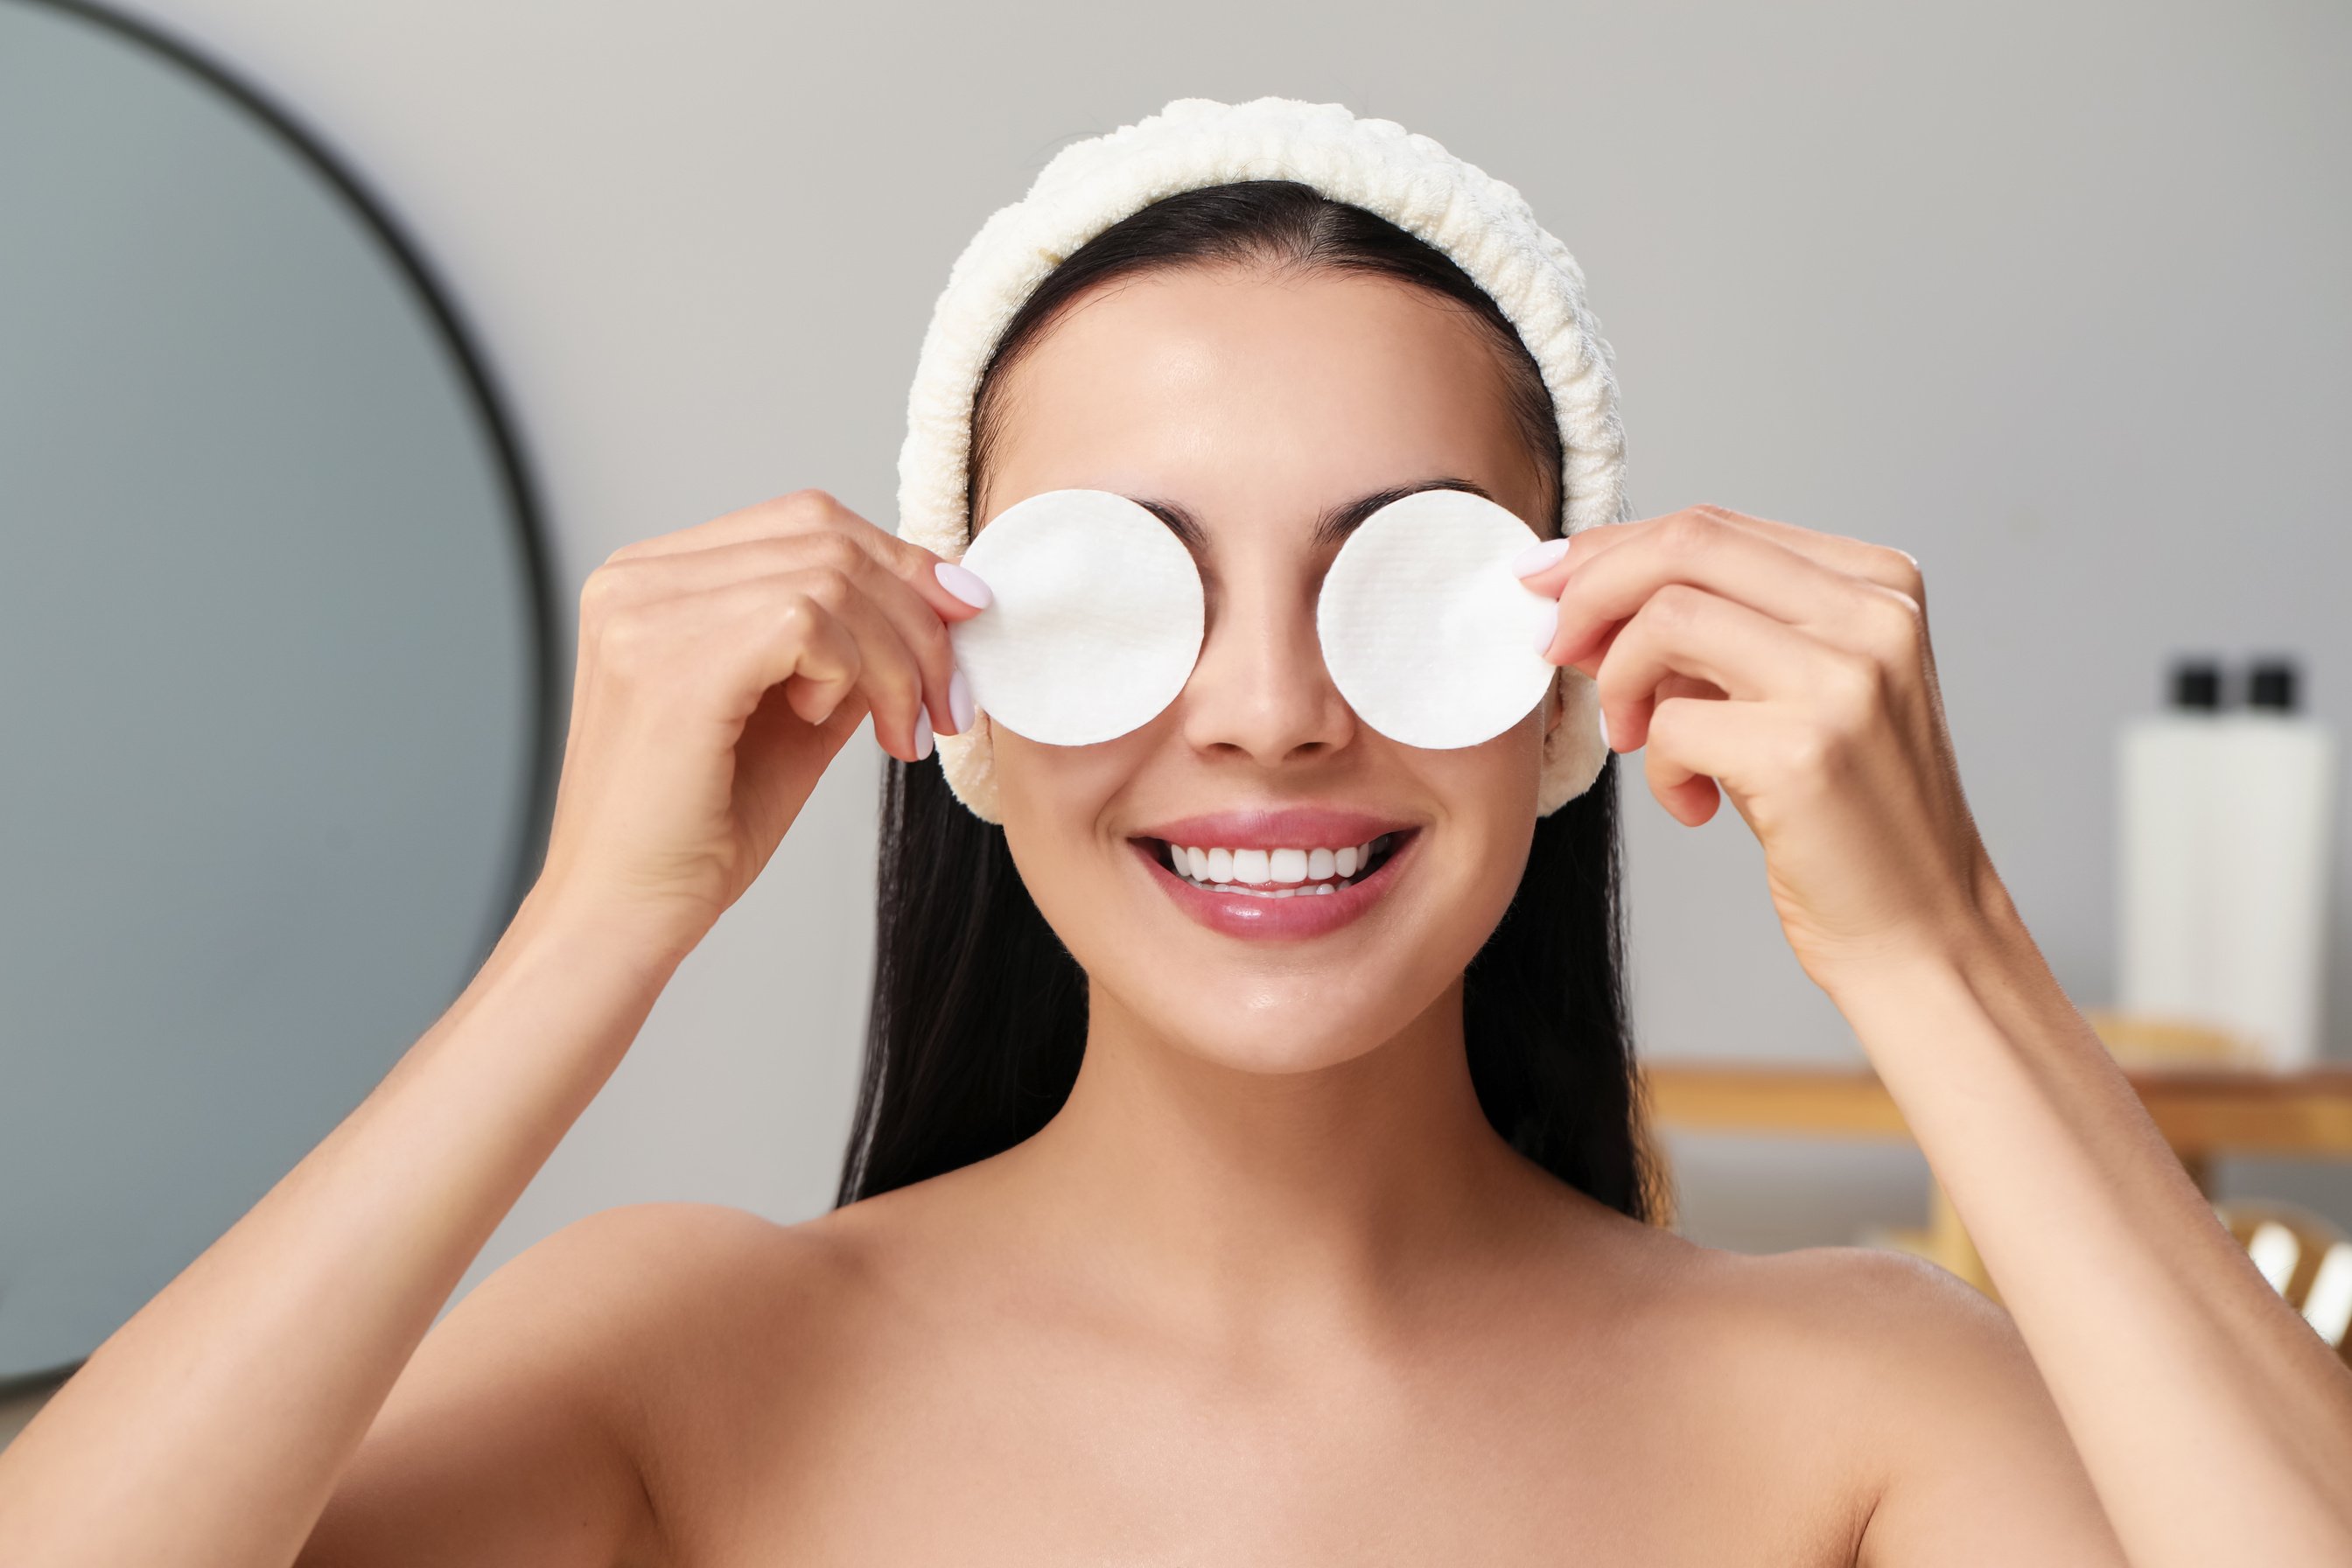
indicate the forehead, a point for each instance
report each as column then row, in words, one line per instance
column 1237, row 392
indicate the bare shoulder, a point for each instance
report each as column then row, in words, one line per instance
column 1953, row 1434
column 668, row 1303
column 1866, row 1305
column 1902, row 1342
column 666, row 1264
column 668, row 1292
column 1835, row 1311
column 623, row 1283
column 521, row 1429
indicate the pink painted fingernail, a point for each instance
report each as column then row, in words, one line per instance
column 964, row 584
column 1604, row 727
column 1538, row 556
column 960, row 708
column 1546, row 622
column 922, row 731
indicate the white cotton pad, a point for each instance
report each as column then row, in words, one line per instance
column 1425, row 629
column 1095, row 622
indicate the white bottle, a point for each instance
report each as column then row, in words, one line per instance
column 2167, row 881
column 2274, row 814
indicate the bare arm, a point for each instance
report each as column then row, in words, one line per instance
column 211, row 1427
column 1790, row 670
column 527, row 1430
column 2215, row 1425
column 1966, row 1456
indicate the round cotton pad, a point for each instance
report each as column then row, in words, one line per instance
column 1096, row 623
column 1425, row 629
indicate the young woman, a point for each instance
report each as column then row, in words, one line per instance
column 1169, row 1237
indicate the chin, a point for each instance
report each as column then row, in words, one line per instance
column 1250, row 1020
column 1280, row 1041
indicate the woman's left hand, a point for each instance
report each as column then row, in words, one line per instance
column 1792, row 668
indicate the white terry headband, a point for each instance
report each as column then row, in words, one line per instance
column 1483, row 224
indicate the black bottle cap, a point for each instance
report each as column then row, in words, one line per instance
column 2196, row 683
column 2270, row 684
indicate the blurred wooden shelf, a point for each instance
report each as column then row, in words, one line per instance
column 2203, row 1109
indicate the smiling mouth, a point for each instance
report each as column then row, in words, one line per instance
column 1179, row 860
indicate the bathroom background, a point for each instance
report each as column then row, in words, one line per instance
column 2052, row 296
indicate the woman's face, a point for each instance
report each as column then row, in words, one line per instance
column 1253, row 407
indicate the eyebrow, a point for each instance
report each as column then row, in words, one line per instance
column 1335, row 524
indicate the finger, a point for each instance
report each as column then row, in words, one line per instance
column 814, row 512
column 801, row 632
column 1699, row 750
column 1888, row 567
column 797, row 511
column 1881, row 563
column 828, row 553
column 820, row 661
column 1724, row 558
column 884, row 594
column 1690, row 798
column 1581, row 546
column 792, row 641
column 888, row 676
column 1688, row 631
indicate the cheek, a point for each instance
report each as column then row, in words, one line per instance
column 1486, row 797
column 1054, row 801
column 1060, row 790
column 1491, row 786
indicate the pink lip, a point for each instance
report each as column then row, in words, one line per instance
column 1292, row 919
column 1291, row 826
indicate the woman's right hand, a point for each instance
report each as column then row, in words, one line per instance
column 720, row 669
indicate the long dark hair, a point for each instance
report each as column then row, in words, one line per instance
column 979, row 1013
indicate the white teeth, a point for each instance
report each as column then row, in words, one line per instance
column 1271, row 873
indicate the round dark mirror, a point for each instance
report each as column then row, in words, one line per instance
column 275, row 653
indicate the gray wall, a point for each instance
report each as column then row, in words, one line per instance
column 2052, row 296
column 264, row 678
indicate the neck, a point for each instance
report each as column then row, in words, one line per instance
column 1246, row 1195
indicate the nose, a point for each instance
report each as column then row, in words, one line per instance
column 1259, row 688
